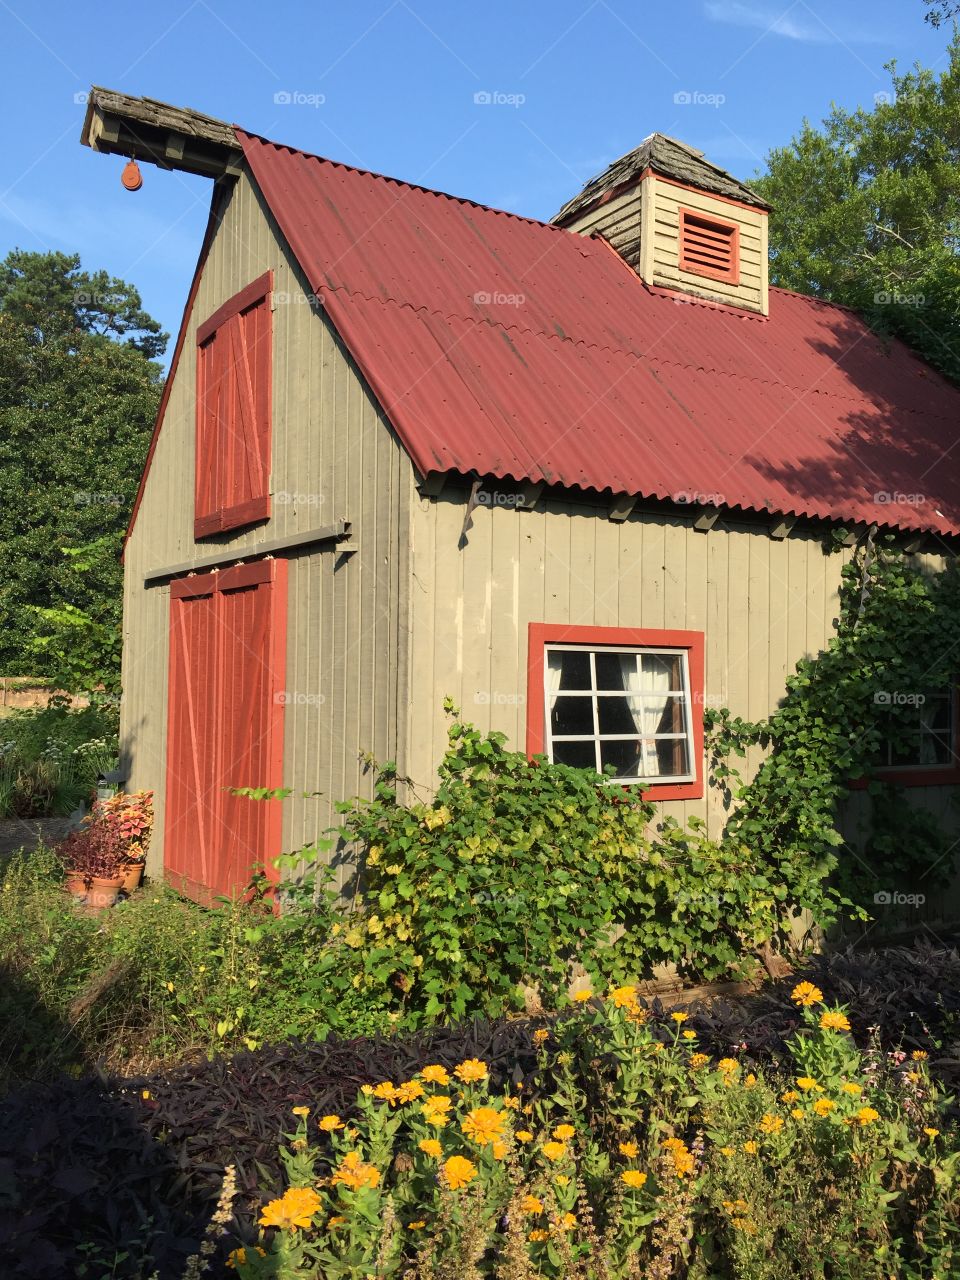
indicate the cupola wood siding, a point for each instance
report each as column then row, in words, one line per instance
column 680, row 222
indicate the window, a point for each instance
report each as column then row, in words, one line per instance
column 709, row 248
column 233, row 412
column 629, row 698
column 923, row 749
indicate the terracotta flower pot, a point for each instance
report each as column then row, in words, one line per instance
column 132, row 873
column 75, row 884
column 102, row 892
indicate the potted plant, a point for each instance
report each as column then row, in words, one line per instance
column 131, row 817
column 93, row 856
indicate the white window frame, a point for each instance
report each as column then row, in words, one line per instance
column 893, row 767
column 594, row 693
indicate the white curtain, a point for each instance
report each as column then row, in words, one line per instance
column 648, row 683
column 551, row 681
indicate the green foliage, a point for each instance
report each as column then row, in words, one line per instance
column 893, row 647
column 866, row 211
column 50, row 758
column 158, row 977
column 78, row 396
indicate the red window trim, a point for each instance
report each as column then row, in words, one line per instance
column 540, row 634
column 944, row 775
column 258, row 508
column 731, row 276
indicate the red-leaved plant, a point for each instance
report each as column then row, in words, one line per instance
column 95, row 851
column 114, row 835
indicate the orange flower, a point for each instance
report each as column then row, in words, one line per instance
column 483, row 1125
column 823, row 1106
column 471, row 1069
column 683, row 1161
column 430, row 1147
column 435, row 1110
column 329, row 1124
column 582, row 997
column 530, row 1204
column 499, row 1149
column 538, row 1235
column 295, row 1208
column 806, row 994
column 523, row 1135
column 458, row 1171
column 386, row 1091
column 410, row 1091
column 633, row 1178
column 563, row 1132
column 834, row 1020
column 540, row 1036
column 625, row 998
column 435, row 1075
column 355, row 1174
column 566, row 1222
column 867, row 1115
column 629, row 1149
column 301, row 1111
column 554, row 1151
column 679, row 1017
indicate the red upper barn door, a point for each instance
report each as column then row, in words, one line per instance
column 225, row 727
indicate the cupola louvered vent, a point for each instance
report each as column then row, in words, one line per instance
column 708, row 247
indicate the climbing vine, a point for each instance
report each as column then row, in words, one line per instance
column 894, row 648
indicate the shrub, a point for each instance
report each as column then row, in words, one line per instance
column 637, row 1155
column 50, row 758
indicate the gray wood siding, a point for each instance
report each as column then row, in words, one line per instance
column 761, row 603
column 334, row 456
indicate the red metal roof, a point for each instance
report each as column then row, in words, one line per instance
column 512, row 348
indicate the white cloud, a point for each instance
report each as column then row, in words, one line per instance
column 804, row 26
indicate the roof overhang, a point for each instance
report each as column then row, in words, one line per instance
column 152, row 131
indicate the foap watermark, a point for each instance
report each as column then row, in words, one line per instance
column 893, row 898
column 894, row 498
column 298, row 98
column 891, row 298
column 286, row 499
column 693, row 498
column 499, row 498
column 898, row 698
column 497, row 698
column 85, row 499
column 297, row 698
column 700, row 297
column 497, row 98
column 82, row 98
column 697, row 98
column 297, row 298
column 496, row 299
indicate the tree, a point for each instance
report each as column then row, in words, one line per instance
column 866, row 211
column 941, row 11
column 78, row 396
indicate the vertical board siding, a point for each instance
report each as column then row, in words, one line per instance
column 762, row 603
column 333, row 456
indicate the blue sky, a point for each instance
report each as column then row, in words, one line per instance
column 392, row 85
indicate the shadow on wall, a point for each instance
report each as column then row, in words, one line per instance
column 81, row 1182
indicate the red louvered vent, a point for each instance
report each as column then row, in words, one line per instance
column 233, row 412
column 709, row 248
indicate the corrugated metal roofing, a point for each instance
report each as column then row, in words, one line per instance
column 513, row 348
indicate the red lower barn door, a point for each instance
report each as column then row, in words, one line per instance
column 225, row 726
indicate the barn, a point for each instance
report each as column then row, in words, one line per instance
column 577, row 476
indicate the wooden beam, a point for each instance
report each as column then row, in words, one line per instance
column 156, row 132
column 621, row 506
column 782, row 527
column 335, row 533
column 705, row 518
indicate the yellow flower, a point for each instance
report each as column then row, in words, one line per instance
column 689, row 1035
column 679, row 1017
column 633, row 1178
column 808, row 1084
column 366, row 1090
column 239, row 1256
column 435, row 1075
column 834, row 1020
column 867, row 1115
column 410, row 1091
column 562, row 1180
column 538, row 1235
column 145, row 1094
column 330, row 1124
column 771, row 1124
column 296, row 1208
column 336, row 1221
column 699, row 1059
column 355, row 1174
column 499, row 1149
column 581, row 997
column 170, row 986
column 458, row 1171
column 483, row 1125
column 523, row 1135
column 726, row 1151
column 566, row 1222
column 750, row 1148
column 540, row 1036
column 512, row 1104
column 554, row 1151
column 931, row 1133
column 530, row 1204
column 471, row 1069
column 430, row 1147
column 791, row 1095
column 683, row 1162
column 805, row 993
column 629, row 1149
column 624, row 997
column 749, row 1080
column 850, row 1087
column 301, row 1111
column 798, row 1113
column 728, row 1066
column 416, row 1226
column 563, row 1132
column 919, row 1055
column 823, row 1106
column 386, row 1091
